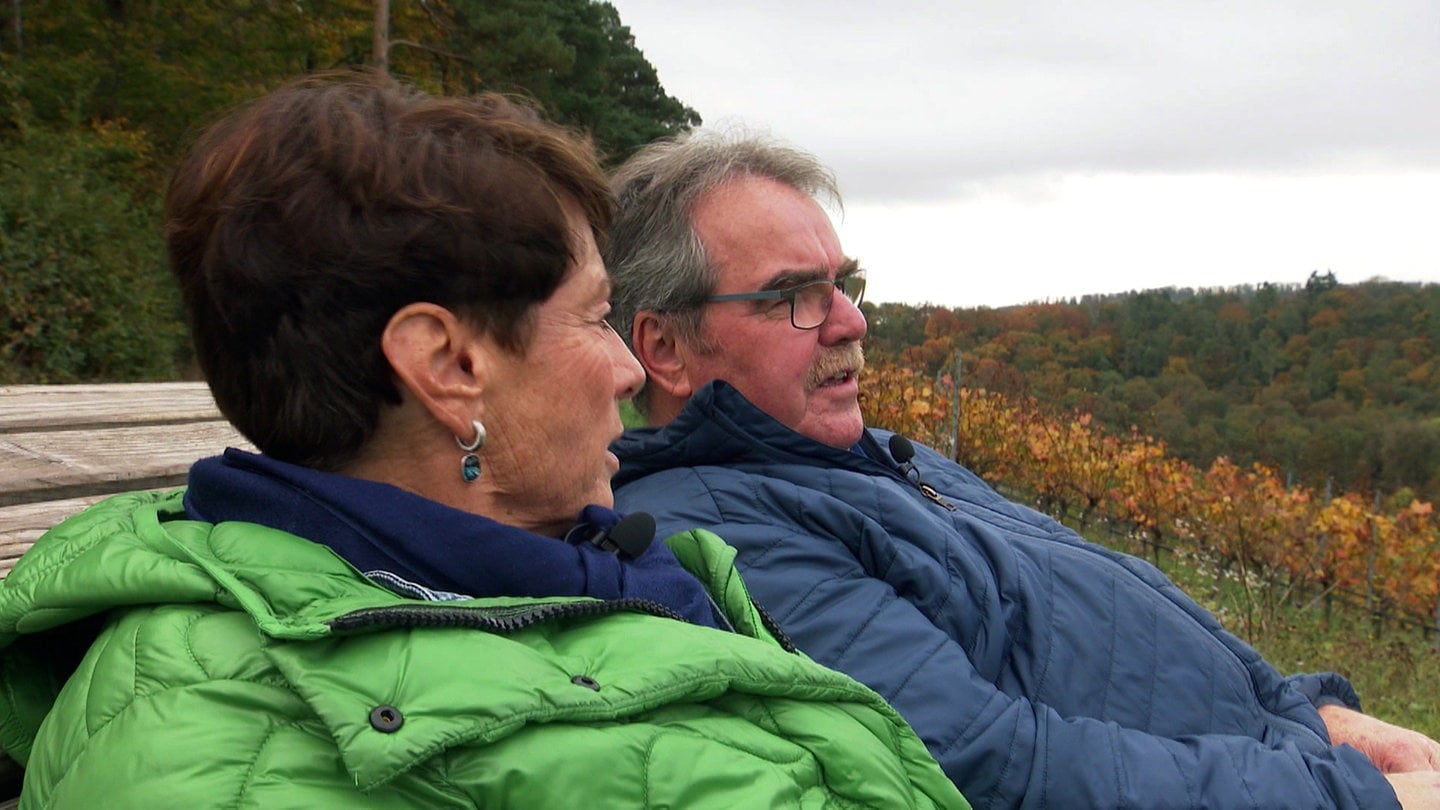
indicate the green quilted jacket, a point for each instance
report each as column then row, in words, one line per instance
column 148, row 661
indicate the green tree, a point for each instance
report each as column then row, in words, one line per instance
column 1410, row 454
column 167, row 69
column 573, row 56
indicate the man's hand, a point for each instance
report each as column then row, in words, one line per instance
column 1393, row 749
column 1417, row 790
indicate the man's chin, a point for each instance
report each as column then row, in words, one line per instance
column 841, row 430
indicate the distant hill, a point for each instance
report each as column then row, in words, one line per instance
column 1322, row 381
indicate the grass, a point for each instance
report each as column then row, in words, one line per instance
column 1396, row 673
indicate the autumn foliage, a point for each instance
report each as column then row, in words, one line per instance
column 1331, row 384
column 1277, row 538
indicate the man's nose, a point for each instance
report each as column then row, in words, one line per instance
column 844, row 323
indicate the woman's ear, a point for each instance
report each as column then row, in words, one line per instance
column 659, row 351
column 437, row 358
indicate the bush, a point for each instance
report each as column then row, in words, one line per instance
column 87, row 296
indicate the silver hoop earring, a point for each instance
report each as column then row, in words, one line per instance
column 470, row 462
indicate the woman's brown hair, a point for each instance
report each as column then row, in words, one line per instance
column 300, row 223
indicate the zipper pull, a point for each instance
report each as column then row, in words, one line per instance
column 929, row 492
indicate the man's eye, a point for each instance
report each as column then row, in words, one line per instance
column 814, row 294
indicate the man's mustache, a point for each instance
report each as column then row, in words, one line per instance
column 849, row 358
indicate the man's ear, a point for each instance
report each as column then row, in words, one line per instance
column 437, row 358
column 659, row 351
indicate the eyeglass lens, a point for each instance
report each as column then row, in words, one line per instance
column 811, row 305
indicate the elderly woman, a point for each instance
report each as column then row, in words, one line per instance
column 416, row 595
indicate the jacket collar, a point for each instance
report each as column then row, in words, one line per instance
column 382, row 529
column 720, row 427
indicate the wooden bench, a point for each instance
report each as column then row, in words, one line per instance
column 63, row 447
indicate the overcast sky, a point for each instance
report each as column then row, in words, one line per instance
column 996, row 152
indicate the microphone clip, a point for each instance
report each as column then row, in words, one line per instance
column 629, row 537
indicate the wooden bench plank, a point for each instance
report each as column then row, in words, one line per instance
column 54, row 465
column 22, row 524
column 80, row 407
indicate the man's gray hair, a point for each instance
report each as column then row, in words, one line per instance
column 654, row 256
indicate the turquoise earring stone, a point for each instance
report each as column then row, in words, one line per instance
column 470, row 467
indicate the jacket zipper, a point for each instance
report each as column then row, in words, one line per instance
column 493, row 619
column 515, row 619
column 773, row 627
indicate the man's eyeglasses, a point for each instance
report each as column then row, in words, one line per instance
column 809, row 302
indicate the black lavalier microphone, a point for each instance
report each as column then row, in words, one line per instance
column 902, row 451
column 630, row 536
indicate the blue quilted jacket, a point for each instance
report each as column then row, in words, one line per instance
column 1039, row 669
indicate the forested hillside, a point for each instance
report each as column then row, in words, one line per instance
column 1328, row 384
column 97, row 98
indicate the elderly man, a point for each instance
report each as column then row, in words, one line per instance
column 1039, row 669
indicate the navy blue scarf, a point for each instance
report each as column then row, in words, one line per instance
column 379, row 527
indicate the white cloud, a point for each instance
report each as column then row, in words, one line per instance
column 1114, row 233
column 1111, row 143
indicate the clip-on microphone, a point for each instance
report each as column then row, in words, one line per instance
column 903, row 451
column 630, row 536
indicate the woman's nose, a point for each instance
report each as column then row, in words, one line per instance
column 629, row 375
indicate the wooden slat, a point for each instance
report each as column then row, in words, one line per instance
column 20, row 525
column 52, row 465
column 80, row 407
